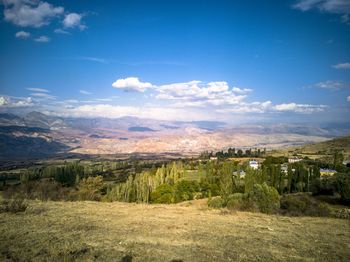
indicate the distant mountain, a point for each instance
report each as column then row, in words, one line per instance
column 140, row 129
column 11, row 120
column 38, row 119
column 39, row 135
column 209, row 125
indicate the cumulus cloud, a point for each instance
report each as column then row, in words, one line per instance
column 342, row 66
column 197, row 93
column 15, row 102
column 300, row 108
column 73, row 20
column 240, row 91
column 348, row 99
column 30, row 13
column 84, row 92
column 254, row 107
column 42, row 39
column 215, row 95
column 131, row 84
column 22, row 34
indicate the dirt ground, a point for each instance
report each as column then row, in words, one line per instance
column 93, row 231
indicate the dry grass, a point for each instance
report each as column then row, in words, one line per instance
column 88, row 231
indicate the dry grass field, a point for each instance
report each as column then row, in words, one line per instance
column 93, row 231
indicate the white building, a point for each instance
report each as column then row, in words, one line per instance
column 294, row 159
column 254, row 164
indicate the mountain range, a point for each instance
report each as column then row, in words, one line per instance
column 37, row 135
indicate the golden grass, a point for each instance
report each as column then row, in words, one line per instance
column 89, row 231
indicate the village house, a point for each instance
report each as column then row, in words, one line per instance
column 254, row 164
column 294, row 159
column 327, row 172
column 284, row 168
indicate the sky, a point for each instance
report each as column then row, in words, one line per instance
column 233, row 61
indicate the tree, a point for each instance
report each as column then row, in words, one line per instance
column 265, row 197
column 164, row 194
column 226, row 181
column 184, row 190
column 90, row 188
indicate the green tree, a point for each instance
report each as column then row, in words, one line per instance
column 164, row 194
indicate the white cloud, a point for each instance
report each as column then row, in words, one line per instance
column 30, row 13
column 332, row 85
column 61, row 31
column 131, row 84
column 196, row 93
column 255, row 107
column 73, row 20
column 112, row 111
column 43, row 96
column 22, row 34
column 42, row 39
column 15, row 102
column 93, row 59
column 71, row 101
column 41, row 90
column 348, row 99
column 330, row 6
column 340, row 7
column 342, row 66
column 239, row 91
column 84, row 92
column 300, row 108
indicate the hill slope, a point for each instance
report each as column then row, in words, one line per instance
column 93, row 231
column 327, row 147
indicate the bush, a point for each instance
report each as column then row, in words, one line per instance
column 164, row 194
column 43, row 190
column 342, row 185
column 265, row 197
column 216, row 202
column 90, row 188
column 184, row 190
column 14, row 205
column 303, row 204
column 236, row 201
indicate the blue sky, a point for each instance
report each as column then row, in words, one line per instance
column 178, row 60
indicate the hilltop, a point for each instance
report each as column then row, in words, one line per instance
column 89, row 231
column 324, row 149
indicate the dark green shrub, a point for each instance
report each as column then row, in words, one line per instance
column 324, row 186
column 342, row 184
column 236, row 202
column 216, row 202
column 164, row 194
column 302, row 204
column 265, row 197
column 184, row 190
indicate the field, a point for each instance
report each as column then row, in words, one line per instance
column 88, row 231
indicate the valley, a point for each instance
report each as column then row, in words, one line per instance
column 36, row 135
